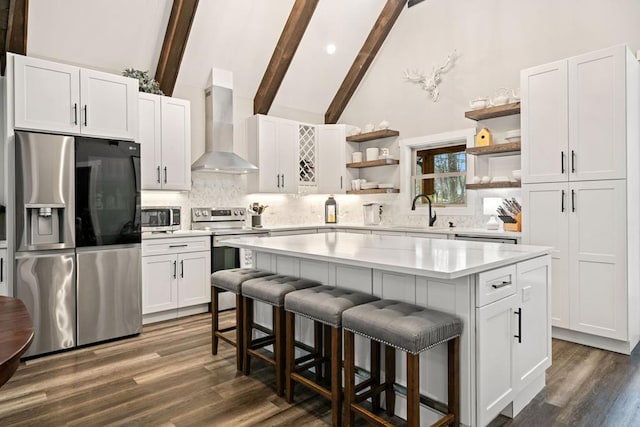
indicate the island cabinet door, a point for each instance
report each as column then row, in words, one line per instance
column 533, row 345
column 159, row 283
column 496, row 329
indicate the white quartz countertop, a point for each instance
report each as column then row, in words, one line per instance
column 397, row 228
column 403, row 229
column 179, row 233
column 438, row 258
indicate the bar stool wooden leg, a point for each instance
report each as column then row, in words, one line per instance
column 239, row 330
column 326, row 331
column 247, row 333
column 349, row 378
column 336, row 376
column 375, row 374
column 291, row 353
column 390, row 379
column 453, row 367
column 279, row 348
column 413, row 390
column 318, row 347
column 215, row 321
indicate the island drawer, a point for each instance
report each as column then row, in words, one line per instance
column 495, row 284
column 175, row 245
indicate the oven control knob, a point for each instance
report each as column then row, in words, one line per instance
column 236, row 212
column 197, row 213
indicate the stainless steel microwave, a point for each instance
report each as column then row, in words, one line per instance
column 161, row 218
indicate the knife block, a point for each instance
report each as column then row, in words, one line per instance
column 516, row 226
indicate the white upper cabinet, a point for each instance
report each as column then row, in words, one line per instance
column 332, row 172
column 62, row 98
column 176, row 144
column 574, row 117
column 597, row 115
column 109, row 105
column 165, row 138
column 47, row 95
column 273, row 147
column 544, row 122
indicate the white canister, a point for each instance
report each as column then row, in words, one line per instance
column 373, row 153
column 356, row 157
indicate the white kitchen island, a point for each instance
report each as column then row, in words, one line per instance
column 500, row 291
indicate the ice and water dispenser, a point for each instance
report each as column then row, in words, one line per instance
column 45, row 208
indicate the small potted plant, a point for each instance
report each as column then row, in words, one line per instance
column 146, row 83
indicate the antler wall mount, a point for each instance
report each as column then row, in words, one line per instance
column 430, row 82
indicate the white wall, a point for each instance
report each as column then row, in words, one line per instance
column 495, row 39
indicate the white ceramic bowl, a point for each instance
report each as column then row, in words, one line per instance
column 512, row 133
column 512, row 138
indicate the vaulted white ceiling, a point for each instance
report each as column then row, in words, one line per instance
column 237, row 35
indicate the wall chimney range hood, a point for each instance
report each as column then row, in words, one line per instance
column 219, row 156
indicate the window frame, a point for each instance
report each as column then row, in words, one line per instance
column 408, row 149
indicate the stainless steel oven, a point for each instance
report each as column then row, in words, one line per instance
column 225, row 223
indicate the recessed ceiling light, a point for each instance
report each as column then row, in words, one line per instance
column 331, row 48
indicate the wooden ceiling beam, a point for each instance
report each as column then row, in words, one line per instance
column 175, row 42
column 14, row 15
column 283, row 53
column 372, row 44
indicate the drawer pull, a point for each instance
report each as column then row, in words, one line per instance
column 501, row 284
column 178, row 246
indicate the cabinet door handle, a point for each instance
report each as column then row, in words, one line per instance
column 501, row 284
column 573, row 201
column 85, row 115
column 182, row 269
column 278, row 182
column 562, row 202
column 175, row 269
column 282, row 180
column 573, row 161
column 341, row 183
column 165, row 174
column 562, row 162
column 158, row 174
column 75, row 114
column 178, row 246
column 1, row 270
column 519, row 314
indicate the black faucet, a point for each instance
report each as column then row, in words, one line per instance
column 432, row 219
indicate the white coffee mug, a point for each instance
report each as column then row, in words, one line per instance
column 373, row 153
column 356, row 157
column 355, row 184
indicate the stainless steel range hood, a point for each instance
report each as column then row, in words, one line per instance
column 219, row 155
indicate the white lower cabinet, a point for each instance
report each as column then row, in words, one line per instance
column 177, row 282
column 513, row 337
column 590, row 266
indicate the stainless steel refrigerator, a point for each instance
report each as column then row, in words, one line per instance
column 77, row 238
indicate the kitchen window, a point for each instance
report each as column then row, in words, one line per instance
column 441, row 174
column 437, row 165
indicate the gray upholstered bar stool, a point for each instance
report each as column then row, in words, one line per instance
column 230, row 280
column 409, row 328
column 323, row 304
column 270, row 290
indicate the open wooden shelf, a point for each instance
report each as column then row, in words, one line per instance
column 495, row 149
column 369, row 136
column 493, row 112
column 374, row 191
column 509, row 184
column 380, row 162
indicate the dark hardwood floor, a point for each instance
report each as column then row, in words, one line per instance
column 167, row 376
